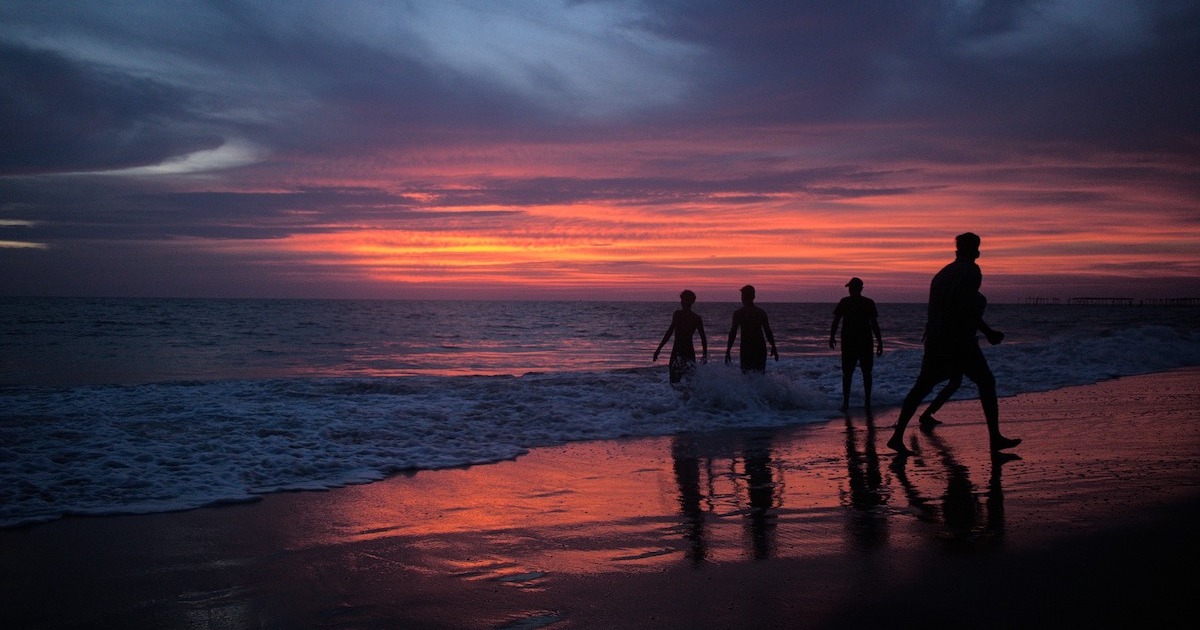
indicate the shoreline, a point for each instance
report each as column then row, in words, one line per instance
column 816, row 526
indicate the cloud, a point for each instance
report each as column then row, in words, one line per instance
column 57, row 114
column 230, row 154
column 21, row 245
column 236, row 130
column 1068, row 29
column 578, row 58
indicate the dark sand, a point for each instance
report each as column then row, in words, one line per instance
column 811, row 527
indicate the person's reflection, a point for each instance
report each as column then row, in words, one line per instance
column 960, row 507
column 995, row 493
column 868, row 524
column 961, row 511
column 686, row 462
column 761, row 490
column 758, row 475
column 926, row 510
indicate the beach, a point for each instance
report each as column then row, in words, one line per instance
column 1087, row 524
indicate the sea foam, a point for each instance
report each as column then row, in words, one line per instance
column 146, row 447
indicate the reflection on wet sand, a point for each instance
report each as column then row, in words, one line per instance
column 696, row 498
column 760, row 490
column 930, row 495
column 866, row 522
column 686, row 463
column 748, row 491
column 961, row 518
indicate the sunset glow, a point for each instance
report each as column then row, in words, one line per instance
column 635, row 150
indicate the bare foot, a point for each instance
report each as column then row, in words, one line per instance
column 897, row 444
column 1000, row 443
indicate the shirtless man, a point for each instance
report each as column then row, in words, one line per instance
column 684, row 323
column 756, row 332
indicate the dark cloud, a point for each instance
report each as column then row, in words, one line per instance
column 89, row 210
column 60, row 115
column 922, row 63
column 186, row 79
column 826, row 182
column 304, row 79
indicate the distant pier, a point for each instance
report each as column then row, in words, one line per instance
column 1114, row 301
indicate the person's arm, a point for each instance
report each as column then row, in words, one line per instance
column 732, row 335
column 993, row 336
column 770, row 337
column 703, row 339
column 666, row 337
column 878, row 337
column 837, row 319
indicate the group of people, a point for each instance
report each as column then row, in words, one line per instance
column 750, row 320
column 955, row 315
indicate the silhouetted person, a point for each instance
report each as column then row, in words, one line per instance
column 684, row 323
column 951, row 345
column 859, row 319
column 756, row 332
column 993, row 336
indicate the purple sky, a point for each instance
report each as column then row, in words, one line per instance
column 597, row 150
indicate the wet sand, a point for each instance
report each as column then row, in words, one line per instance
column 1090, row 525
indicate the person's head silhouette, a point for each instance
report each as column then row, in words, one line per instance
column 855, row 285
column 747, row 294
column 967, row 245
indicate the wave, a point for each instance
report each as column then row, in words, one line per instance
column 107, row 449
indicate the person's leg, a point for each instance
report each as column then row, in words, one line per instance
column 867, row 364
column 927, row 419
column 675, row 368
column 847, row 377
column 975, row 367
column 754, row 361
column 932, row 372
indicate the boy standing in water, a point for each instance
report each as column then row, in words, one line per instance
column 756, row 332
column 684, row 323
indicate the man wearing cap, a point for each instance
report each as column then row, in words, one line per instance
column 859, row 319
column 951, row 346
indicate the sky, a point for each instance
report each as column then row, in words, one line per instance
column 591, row 150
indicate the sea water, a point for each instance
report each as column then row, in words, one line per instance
column 140, row 405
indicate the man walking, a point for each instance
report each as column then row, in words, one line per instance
column 951, row 344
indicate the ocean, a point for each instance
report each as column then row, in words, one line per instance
column 115, row 406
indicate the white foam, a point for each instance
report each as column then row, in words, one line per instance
column 159, row 447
